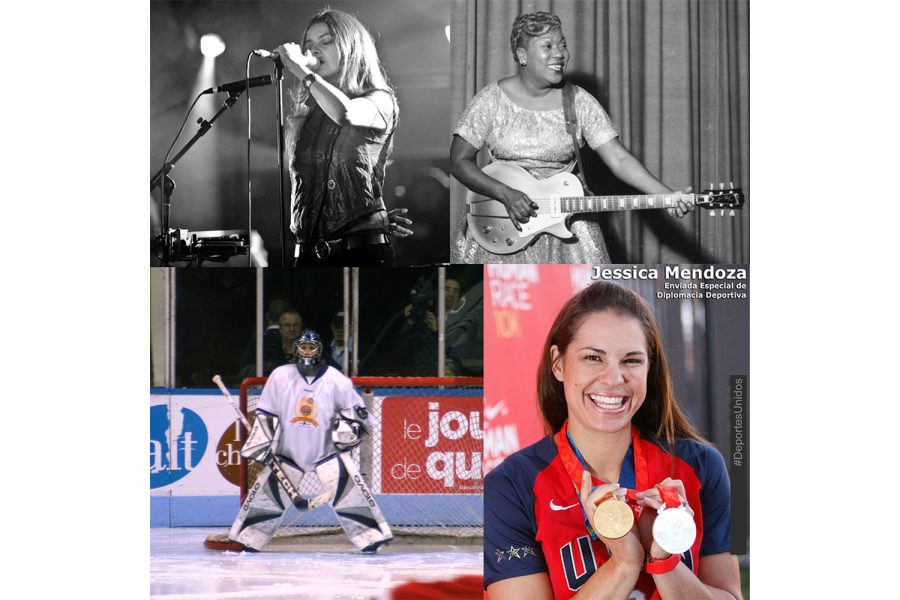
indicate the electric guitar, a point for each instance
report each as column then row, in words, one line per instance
column 558, row 197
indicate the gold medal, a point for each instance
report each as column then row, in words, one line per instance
column 612, row 518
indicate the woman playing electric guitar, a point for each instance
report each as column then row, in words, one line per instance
column 521, row 121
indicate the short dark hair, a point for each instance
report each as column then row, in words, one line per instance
column 531, row 25
column 276, row 307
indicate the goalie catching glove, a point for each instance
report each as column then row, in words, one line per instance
column 348, row 426
column 263, row 439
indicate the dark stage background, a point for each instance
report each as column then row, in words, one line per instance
column 211, row 178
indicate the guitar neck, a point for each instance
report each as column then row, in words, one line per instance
column 595, row 204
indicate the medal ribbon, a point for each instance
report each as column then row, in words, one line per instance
column 669, row 496
column 575, row 467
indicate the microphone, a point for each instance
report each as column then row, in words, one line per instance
column 270, row 55
column 312, row 61
column 240, row 86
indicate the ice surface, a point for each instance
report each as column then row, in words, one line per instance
column 181, row 568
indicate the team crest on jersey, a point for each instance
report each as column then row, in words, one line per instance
column 305, row 411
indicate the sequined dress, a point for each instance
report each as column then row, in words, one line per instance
column 537, row 141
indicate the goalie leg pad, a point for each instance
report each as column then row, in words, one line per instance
column 353, row 503
column 263, row 510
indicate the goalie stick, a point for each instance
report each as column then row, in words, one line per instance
column 273, row 460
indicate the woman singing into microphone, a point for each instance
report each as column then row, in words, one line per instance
column 339, row 141
column 624, row 499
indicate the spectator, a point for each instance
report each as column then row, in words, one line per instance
column 463, row 321
column 271, row 338
column 336, row 347
column 407, row 346
column 290, row 324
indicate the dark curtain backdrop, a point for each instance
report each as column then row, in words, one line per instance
column 674, row 77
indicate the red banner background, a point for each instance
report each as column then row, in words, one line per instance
column 431, row 445
column 521, row 302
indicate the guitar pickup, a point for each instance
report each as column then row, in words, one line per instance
column 555, row 206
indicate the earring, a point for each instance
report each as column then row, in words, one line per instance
column 523, row 62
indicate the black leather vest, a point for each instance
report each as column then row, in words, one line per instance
column 339, row 174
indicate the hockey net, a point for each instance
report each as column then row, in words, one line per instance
column 422, row 460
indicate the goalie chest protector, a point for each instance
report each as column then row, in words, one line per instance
column 305, row 408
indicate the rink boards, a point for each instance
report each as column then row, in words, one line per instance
column 423, row 465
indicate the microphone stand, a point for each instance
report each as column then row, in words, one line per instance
column 164, row 171
column 279, row 118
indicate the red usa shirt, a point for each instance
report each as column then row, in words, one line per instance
column 533, row 522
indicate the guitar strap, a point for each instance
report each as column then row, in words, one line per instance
column 571, row 123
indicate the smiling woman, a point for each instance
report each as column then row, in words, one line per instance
column 623, row 476
column 524, row 120
column 604, row 374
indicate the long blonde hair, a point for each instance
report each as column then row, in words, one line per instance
column 361, row 69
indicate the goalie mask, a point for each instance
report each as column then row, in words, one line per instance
column 308, row 352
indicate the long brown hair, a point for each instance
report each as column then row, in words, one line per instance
column 659, row 416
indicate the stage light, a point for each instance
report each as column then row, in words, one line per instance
column 211, row 45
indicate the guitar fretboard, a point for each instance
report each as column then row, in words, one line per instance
column 612, row 203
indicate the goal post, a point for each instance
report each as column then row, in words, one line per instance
column 422, row 459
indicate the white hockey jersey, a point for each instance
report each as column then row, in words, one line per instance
column 305, row 408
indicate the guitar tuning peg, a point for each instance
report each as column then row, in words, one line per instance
column 731, row 184
column 722, row 212
column 721, row 185
column 712, row 185
column 731, row 213
column 712, row 213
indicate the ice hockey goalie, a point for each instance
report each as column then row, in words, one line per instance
column 309, row 417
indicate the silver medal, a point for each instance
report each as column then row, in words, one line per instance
column 674, row 530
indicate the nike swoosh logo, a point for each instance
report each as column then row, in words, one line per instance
column 555, row 506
